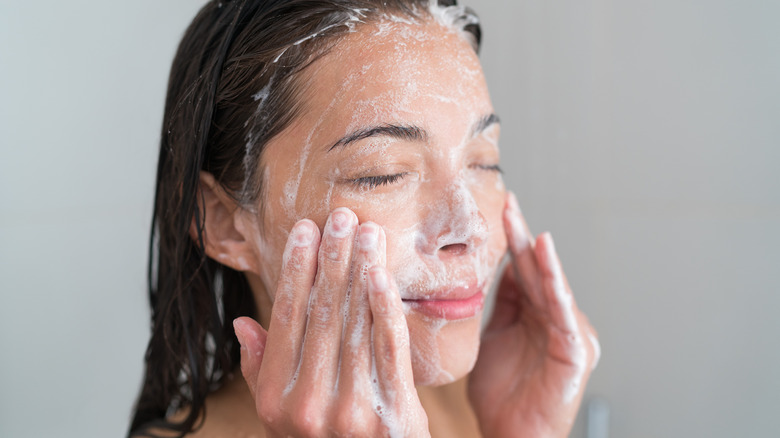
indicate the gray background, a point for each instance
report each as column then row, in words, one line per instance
column 644, row 134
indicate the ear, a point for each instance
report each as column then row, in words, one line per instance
column 224, row 237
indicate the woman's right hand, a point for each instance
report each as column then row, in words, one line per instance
column 335, row 360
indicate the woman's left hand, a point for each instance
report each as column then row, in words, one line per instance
column 538, row 350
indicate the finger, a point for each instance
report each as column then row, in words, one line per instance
column 567, row 342
column 356, row 354
column 252, row 338
column 592, row 344
column 390, row 334
column 321, row 349
column 521, row 246
column 596, row 348
column 288, row 315
column 561, row 307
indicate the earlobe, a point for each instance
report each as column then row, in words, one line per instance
column 224, row 241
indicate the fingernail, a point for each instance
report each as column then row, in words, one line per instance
column 377, row 278
column 369, row 235
column 555, row 265
column 552, row 258
column 596, row 350
column 302, row 233
column 550, row 245
column 513, row 202
column 238, row 327
column 341, row 222
column 518, row 234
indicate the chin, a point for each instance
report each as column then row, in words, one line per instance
column 442, row 350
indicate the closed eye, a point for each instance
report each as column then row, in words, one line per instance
column 491, row 167
column 371, row 182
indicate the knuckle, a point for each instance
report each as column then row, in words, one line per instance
column 269, row 411
column 335, row 251
column 283, row 305
column 351, row 419
column 320, row 314
column 296, row 260
column 308, row 418
column 389, row 350
column 332, row 273
column 397, row 338
column 286, row 308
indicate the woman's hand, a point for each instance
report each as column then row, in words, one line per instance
column 336, row 359
column 538, row 349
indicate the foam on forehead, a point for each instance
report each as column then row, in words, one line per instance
column 406, row 47
column 459, row 19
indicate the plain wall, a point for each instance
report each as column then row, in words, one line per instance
column 645, row 135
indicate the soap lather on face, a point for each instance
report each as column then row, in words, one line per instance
column 436, row 192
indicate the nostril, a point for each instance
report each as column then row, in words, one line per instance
column 455, row 248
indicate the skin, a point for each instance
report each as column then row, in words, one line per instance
column 355, row 241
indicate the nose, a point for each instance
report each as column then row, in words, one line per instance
column 453, row 225
column 463, row 236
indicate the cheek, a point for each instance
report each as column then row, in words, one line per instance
column 269, row 248
column 280, row 212
column 490, row 194
column 417, row 221
column 493, row 209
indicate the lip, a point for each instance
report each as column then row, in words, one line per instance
column 459, row 303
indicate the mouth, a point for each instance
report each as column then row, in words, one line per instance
column 451, row 304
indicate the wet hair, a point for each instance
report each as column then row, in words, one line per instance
column 233, row 86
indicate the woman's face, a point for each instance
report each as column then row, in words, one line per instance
column 428, row 176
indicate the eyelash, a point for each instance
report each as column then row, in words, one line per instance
column 372, row 182
column 491, row 167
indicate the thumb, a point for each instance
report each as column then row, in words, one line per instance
column 252, row 338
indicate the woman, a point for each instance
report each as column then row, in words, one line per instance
column 329, row 196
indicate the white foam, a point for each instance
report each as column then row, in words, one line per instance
column 596, row 350
column 452, row 219
column 356, row 16
column 263, row 94
column 384, row 404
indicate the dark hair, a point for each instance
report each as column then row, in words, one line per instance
column 231, row 89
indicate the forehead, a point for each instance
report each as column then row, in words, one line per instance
column 393, row 71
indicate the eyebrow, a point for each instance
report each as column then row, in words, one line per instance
column 406, row 132
column 484, row 123
column 402, row 132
